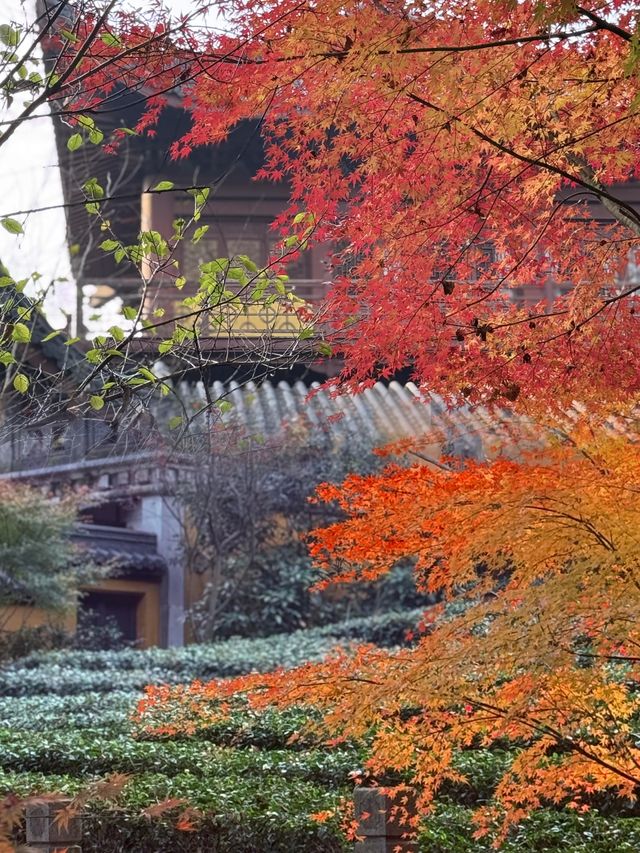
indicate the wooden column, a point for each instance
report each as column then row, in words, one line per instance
column 384, row 820
column 49, row 831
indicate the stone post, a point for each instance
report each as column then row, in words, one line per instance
column 384, row 820
column 47, row 834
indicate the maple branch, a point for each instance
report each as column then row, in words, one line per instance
column 593, row 188
column 615, row 207
column 561, row 740
column 431, row 461
column 579, row 520
column 563, row 35
column 603, row 24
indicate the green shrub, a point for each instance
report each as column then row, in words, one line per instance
column 70, row 713
column 483, row 769
column 26, row 640
column 70, row 672
column 94, row 754
column 450, row 830
column 245, row 813
column 109, row 832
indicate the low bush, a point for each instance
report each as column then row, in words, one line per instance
column 94, row 754
column 450, row 830
column 27, row 640
column 243, row 813
column 63, row 725
column 482, row 770
column 70, row 672
column 80, row 711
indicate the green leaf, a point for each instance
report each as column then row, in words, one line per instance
column 224, row 406
column 85, row 121
column 237, row 274
column 9, row 36
column 249, row 264
column 299, row 217
column 96, row 402
column 117, row 333
column 96, row 136
column 21, row 383
column 6, row 358
column 71, row 341
column 180, row 282
column 21, row 333
column 93, row 189
column 175, row 422
column 163, row 185
column 72, row 37
column 93, row 356
column 109, row 245
column 75, row 141
column 305, row 334
column 92, row 207
column 12, row 226
column 143, row 371
column 199, row 233
column 110, row 40
column 200, row 195
column 6, row 281
column 51, row 335
column 129, row 312
column 324, row 348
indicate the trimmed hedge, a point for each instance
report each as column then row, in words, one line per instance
column 79, row 711
column 62, row 724
column 244, row 813
column 72, row 672
column 450, row 830
column 91, row 753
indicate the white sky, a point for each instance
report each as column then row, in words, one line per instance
column 29, row 178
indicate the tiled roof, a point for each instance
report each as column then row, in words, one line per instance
column 119, row 548
column 381, row 414
column 120, row 562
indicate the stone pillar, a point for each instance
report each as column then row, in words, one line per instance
column 160, row 514
column 50, row 832
column 384, row 820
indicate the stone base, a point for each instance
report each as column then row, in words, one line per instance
column 48, row 835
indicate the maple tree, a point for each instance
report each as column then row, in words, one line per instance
column 450, row 154
column 535, row 642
